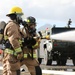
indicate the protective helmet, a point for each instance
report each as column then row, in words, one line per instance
column 31, row 19
column 15, row 10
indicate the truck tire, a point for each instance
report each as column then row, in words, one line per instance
column 73, row 59
column 49, row 58
column 58, row 62
column 49, row 62
column 61, row 62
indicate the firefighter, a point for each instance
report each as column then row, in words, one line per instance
column 31, row 43
column 13, row 52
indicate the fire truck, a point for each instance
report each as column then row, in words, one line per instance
column 60, row 51
column 43, row 51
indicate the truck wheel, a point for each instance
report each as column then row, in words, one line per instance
column 58, row 62
column 61, row 62
column 73, row 59
column 49, row 62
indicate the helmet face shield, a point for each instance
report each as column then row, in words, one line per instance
column 23, row 17
column 31, row 24
column 20, row 17
column 32, row 28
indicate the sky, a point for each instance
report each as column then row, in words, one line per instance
column 53, row 12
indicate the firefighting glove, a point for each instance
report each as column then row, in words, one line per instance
column 20, row 56
column 36, row 45
column 19, row 53
column 47, row 37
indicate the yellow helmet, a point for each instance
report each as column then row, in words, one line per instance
column 15, row 10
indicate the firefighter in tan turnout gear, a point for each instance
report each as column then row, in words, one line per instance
column 30, row 46
column 13, row 52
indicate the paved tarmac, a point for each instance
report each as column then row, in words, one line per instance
column 45, row 71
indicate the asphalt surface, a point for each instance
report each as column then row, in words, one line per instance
column 69, row 62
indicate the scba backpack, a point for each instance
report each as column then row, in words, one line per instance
column 2, row 26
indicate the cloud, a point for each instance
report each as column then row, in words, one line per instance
column 51, row 10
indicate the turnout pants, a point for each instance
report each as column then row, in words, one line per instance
column 11, row 66
column 32, row 65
